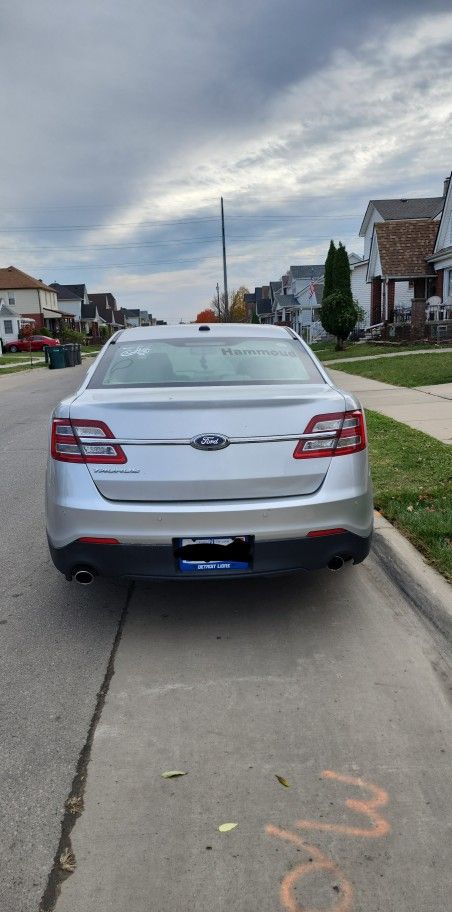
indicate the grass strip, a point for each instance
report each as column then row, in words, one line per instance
column 20, row 367
column 326, row 351
column 421, row 370
column 412, row 476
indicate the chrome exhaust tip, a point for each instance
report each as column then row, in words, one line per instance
column 336, row 563
column 84, row 576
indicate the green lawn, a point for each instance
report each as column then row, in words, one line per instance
column 19, row 356
column 412, row 476
column 414, row 370
column 325, row 351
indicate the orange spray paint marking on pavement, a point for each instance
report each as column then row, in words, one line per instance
column 320, row 863
column 380, row 826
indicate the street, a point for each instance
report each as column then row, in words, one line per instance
column 331, row 681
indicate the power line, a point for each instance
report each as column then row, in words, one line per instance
column 274, row 218
column 146, row 244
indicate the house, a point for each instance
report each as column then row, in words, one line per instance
column 31, row 298
column 299, row 298
column 400, row 252
column 441, row 260
column 258, row 303
column 10, row 324
column 136, row 317
column 89, row 318
column 70, row 302
column 107, row 310
column 396, row 210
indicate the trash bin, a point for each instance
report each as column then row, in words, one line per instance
column 69, row 354
column 78, row 358
column 56, row 357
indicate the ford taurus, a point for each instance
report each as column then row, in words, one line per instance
column 207, row 450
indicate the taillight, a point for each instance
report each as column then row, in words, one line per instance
column 84, row 441
column 337, row 434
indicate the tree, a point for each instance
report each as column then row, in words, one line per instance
column 237, row 308
column 339, row 314
column 341, row 272
column 206, row 316
column 329, row 271
column 238, row 311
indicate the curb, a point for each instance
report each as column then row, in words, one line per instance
column 429, row 592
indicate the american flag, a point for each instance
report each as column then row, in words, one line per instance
column 311, row 287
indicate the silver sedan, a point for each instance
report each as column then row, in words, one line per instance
column 207, row 450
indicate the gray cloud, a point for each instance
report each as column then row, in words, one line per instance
column 138, row 112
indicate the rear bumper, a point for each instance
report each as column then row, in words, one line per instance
column 158, row 561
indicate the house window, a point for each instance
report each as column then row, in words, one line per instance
column 11, row 299
column 8, row 324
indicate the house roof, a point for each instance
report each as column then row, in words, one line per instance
column 307, row 272
column 105, row 303
column 286, row 300
column 103, row 297
column 13, row 278
column 64, row 293
column 79, row 290
column 88, row 311
column 6, row 311
column 396, row 209
column 404, row 247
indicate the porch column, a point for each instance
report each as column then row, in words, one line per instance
column 418, row 319
column 390, row 305
column 375, row 307
column 439, row 283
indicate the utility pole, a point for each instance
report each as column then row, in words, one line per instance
column 218, row 300
column 225, row 274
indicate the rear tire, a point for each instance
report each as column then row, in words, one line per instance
column 12, row 349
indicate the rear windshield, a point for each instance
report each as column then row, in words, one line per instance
column 205, row 362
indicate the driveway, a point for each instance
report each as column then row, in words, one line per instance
column 331, row 681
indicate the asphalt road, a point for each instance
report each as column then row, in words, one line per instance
column 332, row 681
column 55, row 643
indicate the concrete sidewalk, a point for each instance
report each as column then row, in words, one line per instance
column 426, row 408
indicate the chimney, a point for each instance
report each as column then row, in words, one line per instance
column 446, row 186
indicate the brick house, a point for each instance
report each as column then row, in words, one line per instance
column 31, row 298
column 400, row 252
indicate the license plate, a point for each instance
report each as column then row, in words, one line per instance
column 207, row 555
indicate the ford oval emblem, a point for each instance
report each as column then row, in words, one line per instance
column 210, row 442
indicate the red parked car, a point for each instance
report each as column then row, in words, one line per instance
column 37, row 343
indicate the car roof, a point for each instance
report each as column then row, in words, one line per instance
column 196, row 330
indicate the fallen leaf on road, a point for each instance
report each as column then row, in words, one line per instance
column 67, row 861
column 227, row 827
column 75, row 804
column 282, row 780
column 173, row 774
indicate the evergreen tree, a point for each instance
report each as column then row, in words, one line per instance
column 341, row 272
column 329, row 270
column 339, row 314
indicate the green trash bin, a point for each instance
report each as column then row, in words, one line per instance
column 56, row 357
column 78, row 354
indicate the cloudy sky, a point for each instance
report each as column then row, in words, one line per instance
column 124, row 123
